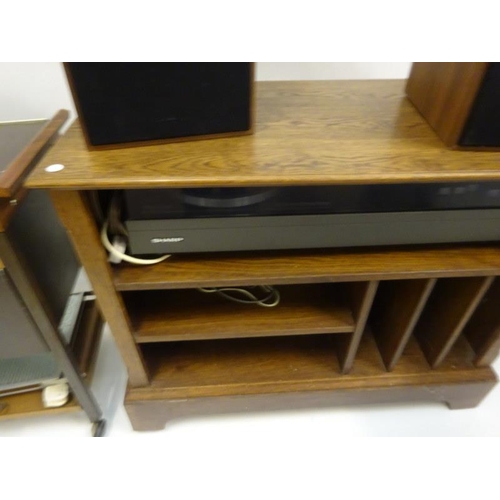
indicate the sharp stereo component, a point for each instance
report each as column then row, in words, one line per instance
column 124, row 104
column 233, row 219
column 461, row 101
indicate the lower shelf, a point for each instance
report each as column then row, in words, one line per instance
column 172, row 315
column 188, row 377
column 30, row 405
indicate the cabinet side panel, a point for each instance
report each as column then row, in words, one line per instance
column 74, row 212
column 444, row 93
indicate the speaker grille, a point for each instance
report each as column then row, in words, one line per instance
column 483, row 125
column 128, row 102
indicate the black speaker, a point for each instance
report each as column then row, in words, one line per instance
column 125, row 104
column 482, row 127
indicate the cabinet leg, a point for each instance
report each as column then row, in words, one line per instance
column 153, row 415
column 147, row 416
column 99, row 428
column 467, row 397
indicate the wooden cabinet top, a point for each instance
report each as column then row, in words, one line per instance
column 306, row 133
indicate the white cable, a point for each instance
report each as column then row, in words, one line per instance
column 123, row 256
column 225, row 292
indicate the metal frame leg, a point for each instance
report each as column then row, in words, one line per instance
column 42, row 316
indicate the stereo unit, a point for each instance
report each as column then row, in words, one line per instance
column 125, row 104
column 270, row 218
column 461, row 101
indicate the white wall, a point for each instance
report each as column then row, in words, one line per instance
column 33, row 90
column 38, row 90
column 332, row 71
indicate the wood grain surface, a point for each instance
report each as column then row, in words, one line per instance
column 360, row 297
column 311, row 266
column 444, row 92
column 321, row 132
column 193, row 315
column 74, row 212
column 152, row 414
column 30, row 405
column 451, row 304
column 306, row 133
column 483, row 329
column 397, row 307
column 289, row 364
column 196, row 379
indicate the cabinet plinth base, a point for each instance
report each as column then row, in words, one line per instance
column 243, row 375
column 153, row 414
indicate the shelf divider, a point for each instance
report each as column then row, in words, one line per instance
column 483, row 329
column 397, row 307
column 360, row 296
column 451, row 305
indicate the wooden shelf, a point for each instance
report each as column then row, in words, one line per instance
column 30, row 405
column 193, row 315
column 374, row 134
column 289, row 364
column 258, row 268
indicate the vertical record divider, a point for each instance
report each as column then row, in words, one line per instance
column 360, row 296
column 483, row 329
column 395, row 312
column 450, row 307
